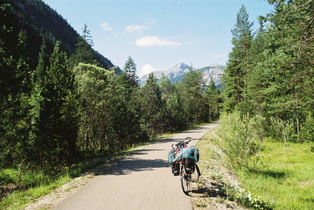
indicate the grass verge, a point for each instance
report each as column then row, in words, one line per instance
column 219, row 187
column 278, row 177
column 285, row 175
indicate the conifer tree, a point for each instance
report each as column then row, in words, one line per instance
column 84, row 51
column 235, row 76
column 213, row 100
column 290, row 60
column 56, row 132
column 14, row 91
column 130, row 71
column 193, row 100
column 151, row 106
column 173, row 110
column 43, row 60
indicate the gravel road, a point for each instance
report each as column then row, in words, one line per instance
column 143, row 180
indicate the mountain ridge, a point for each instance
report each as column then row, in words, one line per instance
column 43, row 25
column 177, row 73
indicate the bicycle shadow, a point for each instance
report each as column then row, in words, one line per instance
column 215, row 190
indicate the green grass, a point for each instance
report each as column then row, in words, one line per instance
column 284, row 175
column 18, row 199
column 210, row 165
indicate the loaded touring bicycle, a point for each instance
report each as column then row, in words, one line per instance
column 183, row 163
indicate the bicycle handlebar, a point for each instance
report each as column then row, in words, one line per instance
column 183, row 144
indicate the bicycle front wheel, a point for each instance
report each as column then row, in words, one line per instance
column 185, row 181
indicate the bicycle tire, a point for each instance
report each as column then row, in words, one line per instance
column 196, row 175
column 185, row 181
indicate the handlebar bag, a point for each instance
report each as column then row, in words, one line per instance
column 191, row 153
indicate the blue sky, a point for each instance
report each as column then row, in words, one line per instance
column 158, row 34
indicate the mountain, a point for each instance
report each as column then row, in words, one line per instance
column 215, row 71
column 40, row 25
column 176, row 73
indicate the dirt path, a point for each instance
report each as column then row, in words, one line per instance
column 143, row 180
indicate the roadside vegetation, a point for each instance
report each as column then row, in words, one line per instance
column 255, row 173
column 266, row 134
column 40, row 184
column 284, row 175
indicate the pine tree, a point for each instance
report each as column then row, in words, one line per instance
column 193, row 100
column 213, row 100
column 130, row 71
column 87, row 37
column 14, row 90
column 43, row 60
column 151, row 106
column 291, row 62
column 173, row 111
column 235, row 76
column 259, row 75
column 56, row 128
column 84, row 51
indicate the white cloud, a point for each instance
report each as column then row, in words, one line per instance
column 147, row 68
column 135, row 28
column 105, row 26
column 151, row 41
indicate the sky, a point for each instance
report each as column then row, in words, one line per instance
column 159, row 34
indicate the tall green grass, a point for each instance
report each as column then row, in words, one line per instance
column 213, row 155
column 278, row 172
column 239, row 139
column 285, row 175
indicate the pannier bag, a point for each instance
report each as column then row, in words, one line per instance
column 175, row 168
column 171, row 155
column 174, row 165
column 189, row 166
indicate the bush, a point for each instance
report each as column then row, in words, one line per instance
column 237, row 138
column 23, row 179
column 307, row 130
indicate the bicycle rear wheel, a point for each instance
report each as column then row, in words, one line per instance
column 196, row 174
column 185, row 181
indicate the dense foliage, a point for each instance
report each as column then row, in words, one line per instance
column 271, row 73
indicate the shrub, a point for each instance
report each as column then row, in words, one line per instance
column 307, row 130
column 237, row 137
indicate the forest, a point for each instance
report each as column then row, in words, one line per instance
column 65, row 107
column 270, row 71
column 62, row 104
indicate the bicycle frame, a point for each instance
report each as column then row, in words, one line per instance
column 182, row 165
